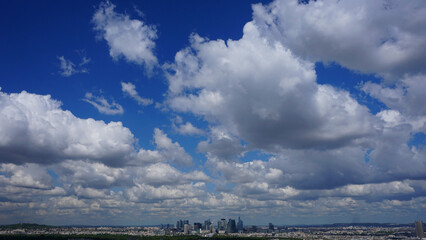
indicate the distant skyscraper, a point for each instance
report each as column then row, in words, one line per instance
column 207, row 224
column 181, row 223
column 420, row 232
column 186, row 228
column 198, row 227
column 271, row 226
column 231, row 227
column 240, row 226
column 221, row 225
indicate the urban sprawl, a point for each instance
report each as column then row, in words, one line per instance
column 234, row 228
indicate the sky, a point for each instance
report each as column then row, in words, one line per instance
column 147, row 112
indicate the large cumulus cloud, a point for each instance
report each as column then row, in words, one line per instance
column 264, row 94
column 34, row 128
column 379, row 37
column 260, row 93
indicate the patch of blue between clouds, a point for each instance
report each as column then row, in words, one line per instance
column 255, row 155
column 417, row 140
column 54, row 177
column 117, row 189
column 210, row 186
column 367, row 155
column 351, row 81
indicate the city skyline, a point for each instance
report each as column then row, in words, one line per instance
column 145, row 112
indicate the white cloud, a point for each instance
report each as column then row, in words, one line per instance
column 171, row 151
column 368, row 36
column 188, row 129
column 130, row 38
column 92, row 175
column 33, row 128
column 150, row 194
column 28, row 176
column 129, row 89
column 68, row 68
column 69, row 202
column 395, row 187
column 103, row 106
column 407, row 96
column 222, row 144
column 163, row 174
column 148, row 157
column 262, row 93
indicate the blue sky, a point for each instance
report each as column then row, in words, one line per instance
column 149, row 112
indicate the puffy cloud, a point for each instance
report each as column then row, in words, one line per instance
column 240, row 172
column 188, row 129
column 68, row 202
column 381, row 188
column 148, row 157
column 26, row 183
column 149, row 194
column 163, row 174
column 391, row 45
column 221, row 144
column 171, row 151
column 319, row 169
column 405, row 100
column 28, row 176
column 34, row 128
column 103, row 105
column 394, row 159
column 131, row 38
column 130, row 89
column 92, row 175
column 259, row 91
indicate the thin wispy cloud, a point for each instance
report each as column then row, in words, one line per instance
column 102, row 105
column 129, row 89
column 68, row 68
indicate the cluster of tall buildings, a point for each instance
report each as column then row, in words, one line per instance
column 223, row 226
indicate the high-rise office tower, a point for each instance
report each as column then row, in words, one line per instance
column 221, row 225
column 207, row 224
column 198, row 227
column 271, row 226
column 181, row 223
column 240, row 226
column 420, row 232
column 231, row 227
column 186, row 228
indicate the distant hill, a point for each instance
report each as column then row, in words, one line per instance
column 25, row 226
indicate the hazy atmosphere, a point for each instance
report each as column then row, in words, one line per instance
column 146, row 112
